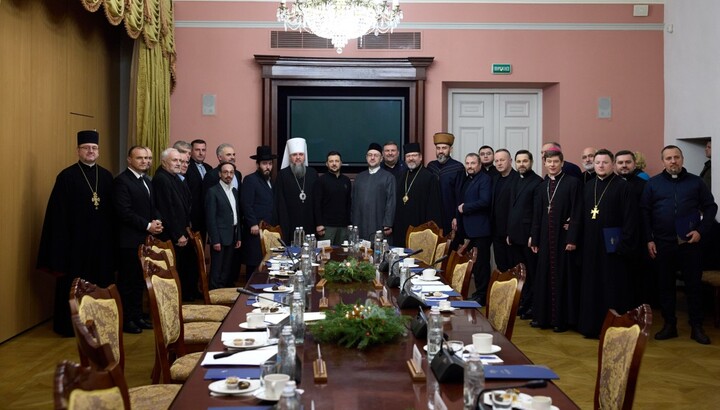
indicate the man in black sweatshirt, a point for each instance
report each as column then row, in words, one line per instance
column 332, row 194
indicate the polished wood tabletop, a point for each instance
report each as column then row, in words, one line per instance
column 375, row 378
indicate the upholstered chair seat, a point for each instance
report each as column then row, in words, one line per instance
column 154, row 396
column 182, row 367
column 204, row 313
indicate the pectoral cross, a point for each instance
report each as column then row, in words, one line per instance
column 405, row 199
column 595, row 211
column 95, row 200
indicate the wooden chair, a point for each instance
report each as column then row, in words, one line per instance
column 622, row 344
column 425, row 237
column 269, row 238
column 214, row 297
column 459, row 271
column 503, row 298
column 173, row 337
column 101, row 359
column 78, row 387
column 442, row 249
column 104, row 308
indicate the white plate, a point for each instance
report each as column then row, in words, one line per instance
column 410, row 266
column 434, row 278
column 281, row 273
column 450, row 309
column 221, row 388
column 523, row 401
column 442, row 296
column 277, row 312
column 229, row 343
column 495, row 348
column 278, row 249
column 257, row 304
column 287, row 289
column 260, row 394
column 244, row 325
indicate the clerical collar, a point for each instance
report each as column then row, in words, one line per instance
column 373, row 170
column 556, row 176
column 86, row 164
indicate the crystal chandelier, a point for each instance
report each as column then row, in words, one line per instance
column 340, row 20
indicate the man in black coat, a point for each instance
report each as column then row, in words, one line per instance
column 501, row 207
column 520, row 217
column 136, row 218
column 257, row 205
column 224, row 215
column 194, row 176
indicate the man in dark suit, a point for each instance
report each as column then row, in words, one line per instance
column 520, row 214
column 194, row 176
column 136, row 217
column 501, row 183
column 222, row 208
column 172, row 199
column 473, row 221
column 257, row 205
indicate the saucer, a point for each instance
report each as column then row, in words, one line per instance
column 450, row 309
column 471, row 348
column 414, row 265
column 229, row 343
column 220, row 387
column 281, row 289
column 434, row 278
column 269, row 312
column 260, row 394
column 258, row 305
column 245, row 325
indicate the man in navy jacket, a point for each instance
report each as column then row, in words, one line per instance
column 678, row 210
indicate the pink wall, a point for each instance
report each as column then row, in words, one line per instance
column 575, row 67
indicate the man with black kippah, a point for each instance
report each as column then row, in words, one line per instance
column 418, row 195
column 77, row 235
column 373, row 197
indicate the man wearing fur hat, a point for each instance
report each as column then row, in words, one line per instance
column 450, row 174
column 293, row 190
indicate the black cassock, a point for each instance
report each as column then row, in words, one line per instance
column 557, row 280
column 290, row 211
column 605, row 282
column 423, row 202
column 77, row 238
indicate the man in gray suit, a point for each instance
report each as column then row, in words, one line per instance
column 223, row 214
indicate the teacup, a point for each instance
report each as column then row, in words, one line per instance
column 409, row 262
column 275, row 265
column 266, row 299
column 482, row 342
column 428, row 274
column 274, row 385
column 255, row 319
column 541, row 403
column 444, row 305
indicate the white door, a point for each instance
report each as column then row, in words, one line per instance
column 507, row 119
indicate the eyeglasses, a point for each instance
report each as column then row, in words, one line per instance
column 89, row 148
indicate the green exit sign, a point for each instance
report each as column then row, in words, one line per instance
column 502, row 68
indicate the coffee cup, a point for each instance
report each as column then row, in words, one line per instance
column 444, row 305
column 255, row 320
column 541, row 403
column 482, row 342
column 274, row 385
column 266, row 299
column 428, row 274
column 275, row 265
column 408, row 261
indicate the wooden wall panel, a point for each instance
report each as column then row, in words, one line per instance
column 57, row 59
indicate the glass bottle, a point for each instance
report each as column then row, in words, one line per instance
column 289, row 399
column 435, row 333
column 297, row 316
column 473, row 380
column 286, row 352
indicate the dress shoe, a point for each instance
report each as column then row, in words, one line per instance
column 521, row 310
column 527, row 315
column 698, row 334
column 143, row 324
column 560, row 329
column 131, row 327
column 534, row 323
column 668, row 332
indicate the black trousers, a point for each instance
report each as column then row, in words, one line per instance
column 523, row 254
column 686, row 258
column 481, row 269
column 131, row 284
column 222, row 274
column 503, row 254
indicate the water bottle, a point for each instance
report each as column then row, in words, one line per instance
column 286, row 352
column 305, row 265
column 473, row 381
column 385, row 250
column 404, row 274
column 298, row 282
column 377, row 247
column 297, row 316
column 435, row 333
column 313, row 247
column 289, row 399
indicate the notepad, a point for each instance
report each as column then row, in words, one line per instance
column 520, row 372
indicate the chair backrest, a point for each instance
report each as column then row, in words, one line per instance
column 78, row 387
column 459, row 271
column 103, row 307
column 165, row 304
column 157, row 246
column 503, row 298
column 622, row 344
column 199, row 245
column 425, row 237
column 269, row 238
column 441, row 250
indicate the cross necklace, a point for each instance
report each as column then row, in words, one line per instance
column 95, row 198
column 406, row 198
column 595, row 211
column 550, row 198
column 302, row 194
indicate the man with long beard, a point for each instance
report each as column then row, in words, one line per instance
column 450, row 174
column 417, row 196
column 294, row 190
column 257, row 205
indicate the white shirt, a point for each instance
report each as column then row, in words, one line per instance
column 228, row 192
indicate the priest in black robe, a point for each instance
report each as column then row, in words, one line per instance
column 77, row 235
column 609, row 238
column 554, row 237
column 500, row 211
column 294, row 190
column 417, row 198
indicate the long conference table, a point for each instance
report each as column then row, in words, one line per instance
column 375, row 378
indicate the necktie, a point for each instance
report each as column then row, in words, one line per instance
column 202, row 170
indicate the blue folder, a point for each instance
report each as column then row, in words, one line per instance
column 221, row 373
column 685, row 224
column 471, row 304
column 519, row 372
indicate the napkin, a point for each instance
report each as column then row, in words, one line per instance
column 250, row 358
column 225, row 372
column 312, row 316
column 276, row 318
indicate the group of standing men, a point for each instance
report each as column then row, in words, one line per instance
column 580, row 234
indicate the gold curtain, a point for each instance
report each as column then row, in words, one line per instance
column 153, row 68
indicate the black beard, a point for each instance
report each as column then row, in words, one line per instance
column 298, row 170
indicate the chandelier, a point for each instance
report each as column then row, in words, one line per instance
column 340, row 20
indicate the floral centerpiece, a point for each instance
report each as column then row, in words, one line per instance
column 349, row 270
column 359, row 325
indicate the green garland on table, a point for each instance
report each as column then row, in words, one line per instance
column 349, row 270
column 359, row 325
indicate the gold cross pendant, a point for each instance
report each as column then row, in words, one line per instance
column 595, row 211
column 95, row 200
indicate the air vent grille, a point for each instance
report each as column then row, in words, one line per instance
column 297, row 39
column 390, row 41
